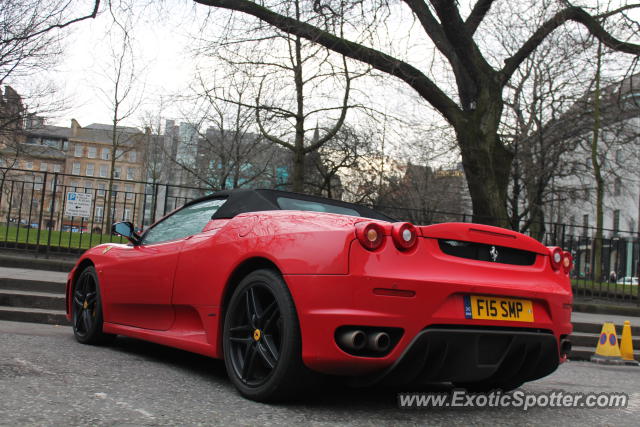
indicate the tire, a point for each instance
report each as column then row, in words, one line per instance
column 86, row 309
column 261, row 339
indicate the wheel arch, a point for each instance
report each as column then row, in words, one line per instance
column 240, row 272
column 86, row 262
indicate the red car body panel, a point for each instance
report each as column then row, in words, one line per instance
column 173, row 293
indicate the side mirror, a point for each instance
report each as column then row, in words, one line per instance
column 125, row 229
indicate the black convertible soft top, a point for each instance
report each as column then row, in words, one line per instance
column 245, row 200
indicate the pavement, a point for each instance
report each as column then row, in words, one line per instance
column 49, row 379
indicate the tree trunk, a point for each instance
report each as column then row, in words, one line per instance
column 298, row 153
column 298, row 171
column 486, row 162
column 597, row 172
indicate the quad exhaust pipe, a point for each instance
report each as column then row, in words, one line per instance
column 352, row 339
column 358, row 341
column 379, row 342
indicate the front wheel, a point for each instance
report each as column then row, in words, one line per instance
column 86, row 309
column 261, row 339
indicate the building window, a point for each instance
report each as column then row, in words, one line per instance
column 43, row 166
column 572, row 221
column 127, row 214
column 131, row 173
column 117, row 172
column 38, row 185
column 28, row 165
column 75, row 168
column 51, row 143
column 77, row 152
column 88, row 186
column 586, row 194
column 74, row 185
column 118, row 153
column 90, row 169
column 104, row 170
column 129, row 190
column 99, row 213
column 585, row 222
column 92, row 152
column 617, row 186
column 133, row 156
column 616, row 220
column 106, row 154
column 57, row 168
column 101, row 188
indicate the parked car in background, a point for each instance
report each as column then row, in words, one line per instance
column 628, row 281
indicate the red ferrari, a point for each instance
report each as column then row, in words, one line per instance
column 285, row 286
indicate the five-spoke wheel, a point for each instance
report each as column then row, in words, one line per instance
column 262, row 349
column 86, row 309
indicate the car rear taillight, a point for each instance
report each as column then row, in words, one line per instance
column 567, row 262
column 556, row 255
column 370, row 235
column 405, row 235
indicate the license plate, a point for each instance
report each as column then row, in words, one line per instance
column 492, row 308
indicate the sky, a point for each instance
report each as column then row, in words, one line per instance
column 163, row 62
column 163, row 39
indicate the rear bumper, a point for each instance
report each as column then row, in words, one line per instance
column 324, row 303
column 467, row 355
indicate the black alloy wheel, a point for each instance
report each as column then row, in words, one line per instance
column 86, row 309
column 261, row 338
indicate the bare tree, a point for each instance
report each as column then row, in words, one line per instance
column 298, row 85
column 474, row 106
column 540, row 125
column 124, row 93
column 227, row 149
column 348, row 151
column 30, row 37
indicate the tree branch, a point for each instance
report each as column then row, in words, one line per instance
column 575, row 14
column 28, row 35
column 381, row 61
column 477, row 15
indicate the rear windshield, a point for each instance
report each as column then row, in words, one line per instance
column 287, row 203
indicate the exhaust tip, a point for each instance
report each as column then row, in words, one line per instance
column 353, row 339
column 565, row 347
column 379, row 341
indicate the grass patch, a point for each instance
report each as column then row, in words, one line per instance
column 65, row 239
column 603, row 288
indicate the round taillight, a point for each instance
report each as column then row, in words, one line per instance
column 567, row 262
column 370, row 235
column 405, row 235
column 556, row 257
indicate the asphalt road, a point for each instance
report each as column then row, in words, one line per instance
column 46, row 378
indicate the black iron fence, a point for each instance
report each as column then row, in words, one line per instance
column 56, row 212
column 59, row 212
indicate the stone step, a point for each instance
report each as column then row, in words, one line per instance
column 33, row 315
column 31, row 299
column 32, row 285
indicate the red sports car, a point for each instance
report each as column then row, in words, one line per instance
column 284, row 286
